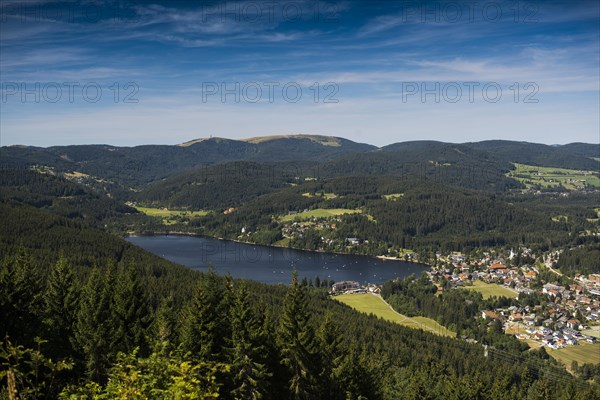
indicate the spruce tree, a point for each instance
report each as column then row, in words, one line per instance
column 296, row 340
column 351, row 375
column 539, row 390
column 331, row 353
column 278, row 388
column 164, row 325
column 20, row 298
column 198, row 325
column 418, row 387
column 61, row 299
column 131, row 311
column 248, row 367
column 94, row 327
column 204, row 321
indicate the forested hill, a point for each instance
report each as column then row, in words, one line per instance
column 572, row 156
column 129, row 167
column 142, row 164
column 583, row 149
column 61, row 196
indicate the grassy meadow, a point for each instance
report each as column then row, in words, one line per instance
column 372, row 304
column 582, row 353
column 170, row 217
column 549, row 177
column 320, row 213
column 491, row 289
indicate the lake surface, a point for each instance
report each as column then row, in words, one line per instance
column 272, row 265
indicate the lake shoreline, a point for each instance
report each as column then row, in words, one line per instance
column 198, row 235
column 271, row 264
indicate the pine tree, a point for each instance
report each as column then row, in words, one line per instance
column 94, row 327
column 248, row 364
column 277, row 383
column 331, row 353
column 164, row 325
column 500, row 388
column 61, row 299
column 569, row 392
column 202, row 329
column 539, row 391
column 297, row 343
column 351, row 375
column 197, row 325
column 131, row 312
column 20, row 299
column 417, row 388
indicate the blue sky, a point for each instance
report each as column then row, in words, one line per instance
column 138, row 72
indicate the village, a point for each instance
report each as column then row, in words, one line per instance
column 564, row 313
column 554, row 315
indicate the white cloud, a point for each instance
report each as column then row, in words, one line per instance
column 171, row 120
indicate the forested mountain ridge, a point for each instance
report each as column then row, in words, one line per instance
column 61, row 196
column 572, row 156
column 140, row 165
column 583, row 149
column 224, row 185
column 108, row 334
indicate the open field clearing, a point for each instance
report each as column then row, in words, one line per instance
column 592, row 332
column 491, row 289
column 170, row 217
column 549, row 177
column 372, row 304
column 326, row 196
column 393, row 196
column 75, row 174
column 320, row 213
column 163, row 212
column 583, row 353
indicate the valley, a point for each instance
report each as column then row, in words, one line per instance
column 426, row 225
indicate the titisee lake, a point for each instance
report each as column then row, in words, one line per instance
column 272, row 265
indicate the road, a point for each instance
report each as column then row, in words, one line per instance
column 548, row 264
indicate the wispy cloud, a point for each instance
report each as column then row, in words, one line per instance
column 367, row 50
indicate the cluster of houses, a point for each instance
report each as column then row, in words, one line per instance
column 517, row 279
column 583, row 299
column 298, row 229
column 353, row 287
column 556, row 324
column 555, row 339
column 528, row 324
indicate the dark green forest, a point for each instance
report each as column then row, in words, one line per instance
column 104, row 332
